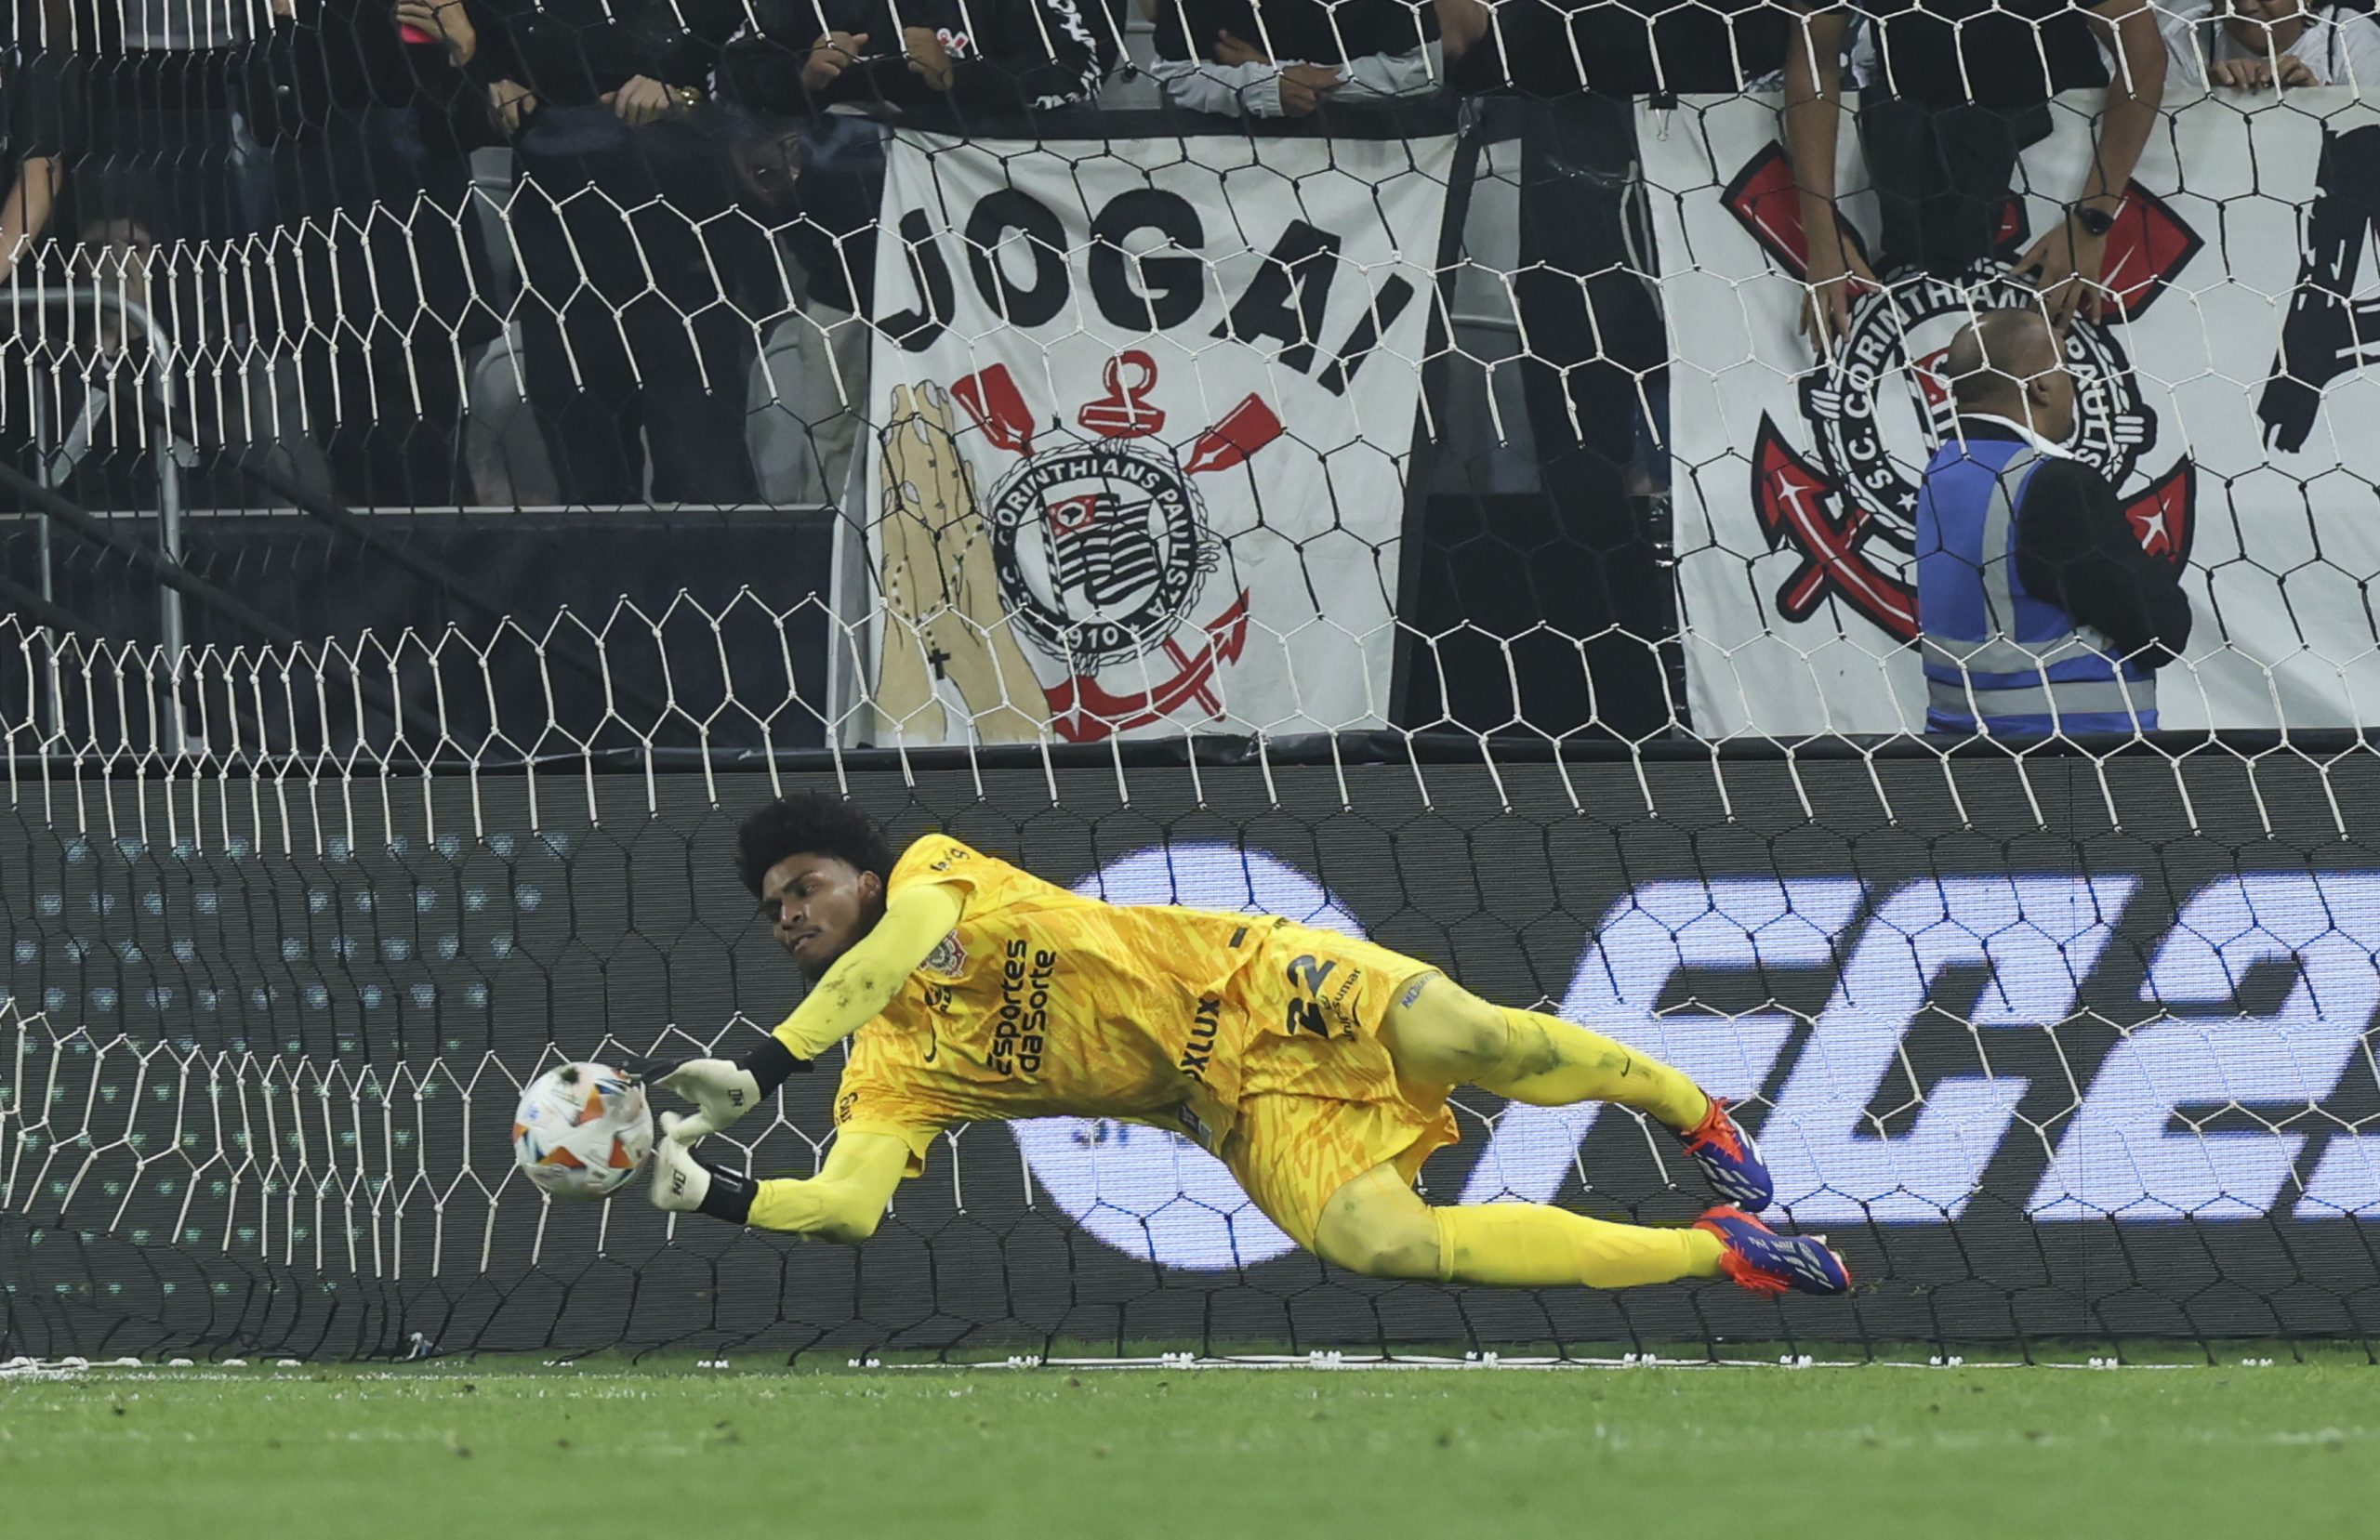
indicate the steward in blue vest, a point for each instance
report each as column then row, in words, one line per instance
column 2038, row 611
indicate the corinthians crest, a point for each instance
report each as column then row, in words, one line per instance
column 1101, row 551
column 1847, row 503
column 1091, row 560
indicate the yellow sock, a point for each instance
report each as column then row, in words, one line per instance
column 1533, row 1246
column 1552, row 1063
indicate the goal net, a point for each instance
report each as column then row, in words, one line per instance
column 1423, row 518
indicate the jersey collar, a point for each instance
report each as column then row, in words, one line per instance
column 2014, row 430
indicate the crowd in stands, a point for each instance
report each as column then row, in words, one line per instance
column 707, row 169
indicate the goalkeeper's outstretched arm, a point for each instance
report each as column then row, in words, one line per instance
column 841, row 1203
column 865, row 979
column 860, row 984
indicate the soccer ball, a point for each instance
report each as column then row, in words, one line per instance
column 582, row 1130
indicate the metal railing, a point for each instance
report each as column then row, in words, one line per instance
column 56, row 461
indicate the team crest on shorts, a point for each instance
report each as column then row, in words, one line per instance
column 1839, row 488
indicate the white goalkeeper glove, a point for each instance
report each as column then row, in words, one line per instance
column 684, row 1183
column 680, row 1180
column 723, row 1089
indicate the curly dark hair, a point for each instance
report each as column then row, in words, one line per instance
column 809, row 823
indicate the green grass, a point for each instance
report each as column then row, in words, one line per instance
column 462, row 1451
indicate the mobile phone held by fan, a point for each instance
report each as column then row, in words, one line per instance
column 408, row 33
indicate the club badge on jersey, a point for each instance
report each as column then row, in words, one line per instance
column 948, row 959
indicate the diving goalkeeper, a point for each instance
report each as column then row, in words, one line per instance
column 1316, row 1066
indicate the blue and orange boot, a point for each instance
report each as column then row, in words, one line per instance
column 1760, row 1259
column 1730, row 1161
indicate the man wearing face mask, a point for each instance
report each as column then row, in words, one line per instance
column 2038, row 611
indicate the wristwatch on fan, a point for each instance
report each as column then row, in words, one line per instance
column 2094, row 221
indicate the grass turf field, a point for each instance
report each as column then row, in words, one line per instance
column 459, row 1450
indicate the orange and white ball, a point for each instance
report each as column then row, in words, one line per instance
column 582, row 1130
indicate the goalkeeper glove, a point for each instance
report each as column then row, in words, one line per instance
column 686, row 1183
column 725, row 1090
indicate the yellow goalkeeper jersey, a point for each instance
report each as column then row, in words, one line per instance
column 1042, row 1002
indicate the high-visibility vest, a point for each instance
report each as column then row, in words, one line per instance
column 2000, row 660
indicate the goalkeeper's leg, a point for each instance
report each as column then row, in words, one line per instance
column 1379, row 1225
column 1441, row 1035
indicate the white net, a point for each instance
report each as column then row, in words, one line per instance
column 1396, row 491
column 2059, row 1050
column 1087, row 423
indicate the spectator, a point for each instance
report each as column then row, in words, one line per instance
column 156, row 137
column 153, row 175
column 2038, row 612
column 371, row 187
column 1005, row 55
column 1961, row 87
column 634, row 350
column 2252, row 44
column 1594, row 357
column 33, row 116
column 827, row 62
column 810, row 57
column 1287, row 58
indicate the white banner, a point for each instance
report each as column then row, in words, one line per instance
column 1144, row 418
column 1795, row 485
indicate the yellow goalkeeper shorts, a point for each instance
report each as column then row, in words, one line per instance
column 1319, row 1100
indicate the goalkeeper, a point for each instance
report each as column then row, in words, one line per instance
column 1315, row 1066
